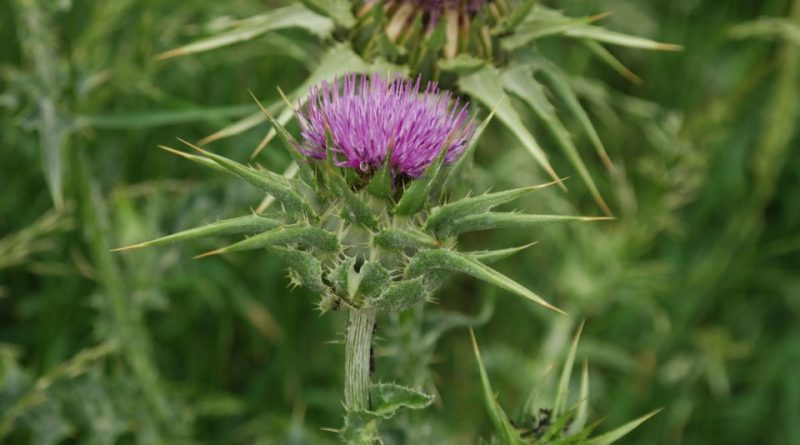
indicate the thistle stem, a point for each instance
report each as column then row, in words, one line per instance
column 357, row 357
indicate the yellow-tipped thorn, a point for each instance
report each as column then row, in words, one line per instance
column 598, row 17
column 174, row 151
column 553, row 182
column 193, row 146
column 598, row 218
column 551, row 307
column 260, row 106
column 131, row 247
column 285, row 99
column 210, row 253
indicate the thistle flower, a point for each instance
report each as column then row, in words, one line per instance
column 370, row 118
column 372, row 249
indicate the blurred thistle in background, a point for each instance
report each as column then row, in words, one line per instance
column 690, row 296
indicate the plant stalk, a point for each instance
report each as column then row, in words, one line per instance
column 357, row 360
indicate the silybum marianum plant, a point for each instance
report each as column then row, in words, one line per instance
column 365, row 224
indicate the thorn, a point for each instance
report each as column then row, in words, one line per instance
column 210, row 253
column 550, row 306
column 131, row 247
column 174, row 151
column 260, row 106
column 553, row 182
column 285, row 99
column 598, row 218
column 205, row 152
column 598, row 17
column 169, row 54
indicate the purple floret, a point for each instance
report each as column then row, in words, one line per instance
column 366, row 115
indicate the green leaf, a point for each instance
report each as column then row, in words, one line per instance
column 401, row 296
column 503, row 220
column 503, row 427
column 293, row 16
column 491, row 256
column 156, row 118
column 559, row 405
column 583, row 403
column 271, row 183
column 338, row 10
column 616, row 434
column 231, row 226
column 441, row 216
column 606, row 56
column 616, row 38
column 543, row 22
column 449, row 260
column 567, row 95
column 462, row 64
column 518, row 15
column 519, row 81
column 297, row 234
column 415, row 196
column 486, row 85
column 387, row 398
column 767, row 27
column 202, row 160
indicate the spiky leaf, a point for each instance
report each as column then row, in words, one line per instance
column 269, row 182
column 387, row 398
column 441, row 216
column 401, row 296
column 519, row 81
column 619, row 432
column 502, row 220
column 503, row 427
column 296, row 234
column 491, row 256
column 563, row 383
column 307, row 269
column 564, row 91
column 449, row 260
column 486, row 86
column 293, row 16
column 231, row 226
column 288, row 141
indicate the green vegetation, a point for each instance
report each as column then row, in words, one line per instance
column 690, row 297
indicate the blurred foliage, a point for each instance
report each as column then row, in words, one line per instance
column 690, row 298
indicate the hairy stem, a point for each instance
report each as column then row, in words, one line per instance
column 357, row 358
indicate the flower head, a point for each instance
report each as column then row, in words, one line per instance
column 368, row 117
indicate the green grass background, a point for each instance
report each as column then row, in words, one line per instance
column 691, row 297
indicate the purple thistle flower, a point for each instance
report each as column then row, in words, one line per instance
column 367, row 116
